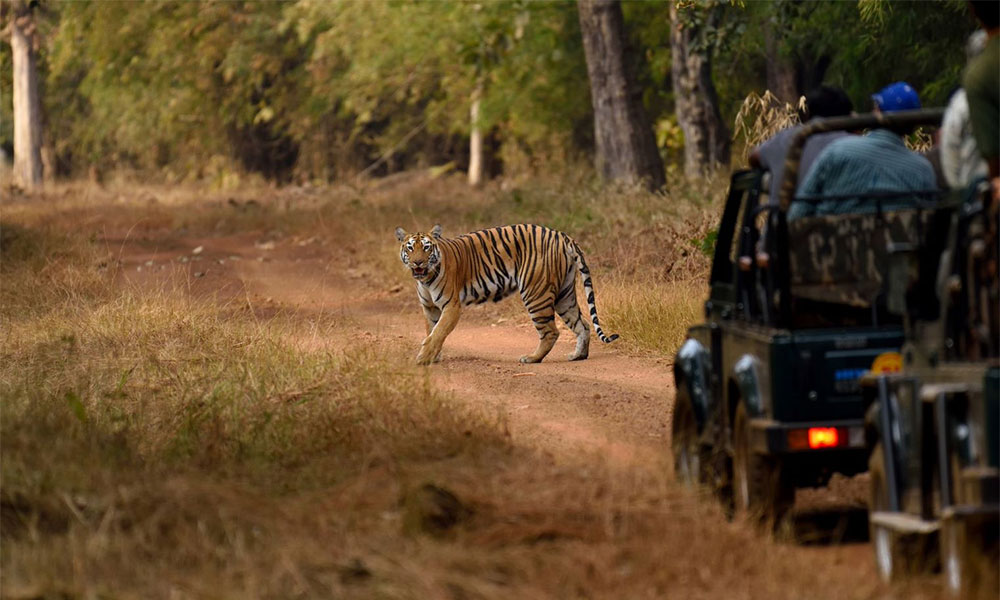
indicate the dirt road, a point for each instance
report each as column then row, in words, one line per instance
column 612, row 403
column 613, row 407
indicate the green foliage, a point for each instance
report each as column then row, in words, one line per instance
column 706, row 244
column 171, row 84
column 870, row 44
column 325, row 90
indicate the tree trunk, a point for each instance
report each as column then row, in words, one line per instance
column 27, row 105
column 626, row 149
column 476, row 138
column 812, row 71
column 781, row 79
column 706, row 137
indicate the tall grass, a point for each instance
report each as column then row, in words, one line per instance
column 652, row 316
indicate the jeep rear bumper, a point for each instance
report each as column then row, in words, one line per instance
column 773, row 437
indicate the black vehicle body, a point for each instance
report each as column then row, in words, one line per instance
column 792, row 324
column 933, row 428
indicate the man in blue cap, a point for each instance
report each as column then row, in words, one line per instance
column 855, row 166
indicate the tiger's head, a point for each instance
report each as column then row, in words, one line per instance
column 419, row 252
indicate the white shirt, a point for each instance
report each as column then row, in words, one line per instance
column 960, row 159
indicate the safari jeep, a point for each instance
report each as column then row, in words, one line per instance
column 934, row 430
column 769, row 393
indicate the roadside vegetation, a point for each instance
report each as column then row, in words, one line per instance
column 160, row 445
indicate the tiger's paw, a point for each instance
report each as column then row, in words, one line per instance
column 426, row 358
column 527, row 359
column 581, row 356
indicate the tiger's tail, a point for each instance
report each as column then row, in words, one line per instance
column 588, row 288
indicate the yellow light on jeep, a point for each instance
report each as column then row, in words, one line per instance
column 823, row 437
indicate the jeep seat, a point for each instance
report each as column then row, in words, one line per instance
column 844, row 258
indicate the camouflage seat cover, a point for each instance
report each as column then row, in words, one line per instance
column 844, row 258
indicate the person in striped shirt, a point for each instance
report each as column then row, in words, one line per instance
column 877, row 163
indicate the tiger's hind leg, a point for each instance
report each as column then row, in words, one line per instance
column 543, row 316
column 569, row 310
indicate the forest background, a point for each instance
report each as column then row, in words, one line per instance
column 231, row 92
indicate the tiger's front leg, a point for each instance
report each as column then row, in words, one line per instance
column 432, row 315
column 431, row 346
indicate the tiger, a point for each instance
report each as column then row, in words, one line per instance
column 538, row 263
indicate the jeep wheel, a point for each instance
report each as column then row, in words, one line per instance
column 759, row 490
column 688, row 454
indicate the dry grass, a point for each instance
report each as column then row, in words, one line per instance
column 144, row 433
column 762, row 116
column 653, row 316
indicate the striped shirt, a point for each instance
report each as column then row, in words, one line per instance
column 857, row 165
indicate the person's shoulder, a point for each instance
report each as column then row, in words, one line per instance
column 830, row 137
column 982, row 70
column 845, row 142
column 783, row 136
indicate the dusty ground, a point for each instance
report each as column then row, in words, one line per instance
column 613, row 405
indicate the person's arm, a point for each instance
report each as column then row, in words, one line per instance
column 984, row 116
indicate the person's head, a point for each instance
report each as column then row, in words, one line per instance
column 987, row 12
column 825, row 101
column 896, row 96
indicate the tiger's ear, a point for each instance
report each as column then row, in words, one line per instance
column 400, row 234
column 436, row 232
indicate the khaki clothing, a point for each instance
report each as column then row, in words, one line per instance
column 982, row 87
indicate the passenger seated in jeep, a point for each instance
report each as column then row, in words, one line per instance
column 821, row 102
column 853, row 167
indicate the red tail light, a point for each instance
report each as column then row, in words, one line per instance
column 823, row 437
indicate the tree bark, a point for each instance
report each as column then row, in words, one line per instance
column 781, row 72
column 626, row 149
column 476, row 138
column 706, row 137
column 27, row 104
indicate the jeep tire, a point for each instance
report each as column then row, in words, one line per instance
column 760, row 492
column 690, row 458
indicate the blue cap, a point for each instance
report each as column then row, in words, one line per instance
column 897, row 96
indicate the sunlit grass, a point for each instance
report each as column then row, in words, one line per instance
column 652, row 316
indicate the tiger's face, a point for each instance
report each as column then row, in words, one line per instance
column 419, row 252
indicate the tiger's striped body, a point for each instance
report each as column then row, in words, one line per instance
column 538, row 263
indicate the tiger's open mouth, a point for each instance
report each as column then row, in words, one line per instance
column 419, row 272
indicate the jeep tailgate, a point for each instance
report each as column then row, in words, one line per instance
column 817, row 373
